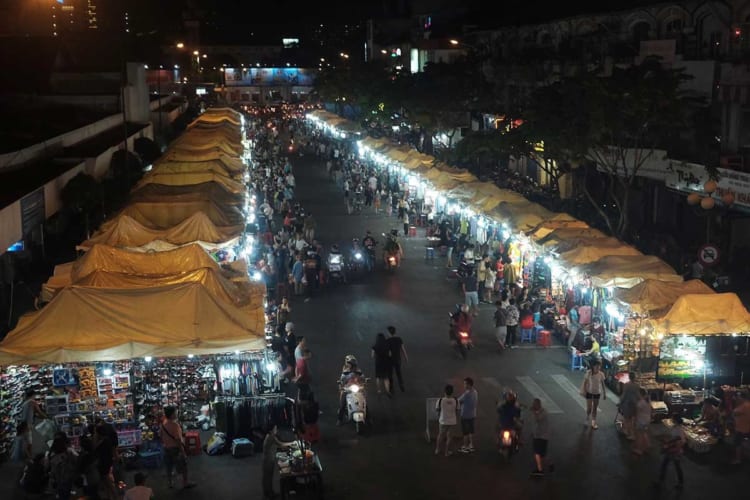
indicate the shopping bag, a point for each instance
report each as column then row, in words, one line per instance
column 46, row 428
column 216, row 444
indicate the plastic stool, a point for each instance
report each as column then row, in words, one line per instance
column 193, row 442
column 527, row 335
column 429, row 253
column 576, row 361
column 544, row 338
column 150, row 459
column 412, row 231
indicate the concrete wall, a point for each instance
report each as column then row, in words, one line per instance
column 10, row 216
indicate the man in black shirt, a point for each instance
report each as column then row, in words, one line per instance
column 396, row 348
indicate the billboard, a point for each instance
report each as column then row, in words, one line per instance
column 270, row 76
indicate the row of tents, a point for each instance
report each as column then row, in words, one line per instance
column 148, row 282
column 645, row 283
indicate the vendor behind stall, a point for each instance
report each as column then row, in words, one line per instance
column 711, row 418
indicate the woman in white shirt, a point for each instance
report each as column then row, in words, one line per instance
column 593, row 389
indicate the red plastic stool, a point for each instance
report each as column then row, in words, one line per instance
column 193, row 442
column 412, row 231
column 544, row 338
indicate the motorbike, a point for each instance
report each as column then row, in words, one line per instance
column 460, row 338
column 508, row 443
column 357, row 263
column 391, row 258
column 356, row 405
column 335, row 265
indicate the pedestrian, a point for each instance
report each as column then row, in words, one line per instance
column 447, row 410
column 642, row 423
column 501, row 330
column 283, row 312
column 631, row 395
column 741, row 415
column 482, row 276
column 398, row 353
column 672, row 449
column 511, row 323
column 140, row 491
column 376, row 201
column 405, row 220
column 302, row 376
column 29, row 410
column 271, row 444
column 593, row 388
column 468, row 402
column 309, row 227
column 175, row 454
column 21, row 449
column 451, row 243
column 62, row 466
column 298, row 272
column 489, row 284
column 382, row 357
column 471, row 297
column 290, row 342
column 540, row 436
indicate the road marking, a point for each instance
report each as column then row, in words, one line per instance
column 571, row 389
column 493, row 382
column 537, row 392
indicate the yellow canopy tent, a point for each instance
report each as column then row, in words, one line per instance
column 124, row 231
column 189, row 179
column 559, row 236
column 704, row 314
column 655, row 295
column 591, row 253
column 84, row 324
column 231, row 163
column 247, row 296
column 558, row 221
column 200, row 150
column 522, row 215
column 157, row 215
column 117, row 260
column 206, row 191
column 627, row 270
column 186, row 167
column 573, row 243
column 399, row 153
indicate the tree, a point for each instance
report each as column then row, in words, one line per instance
column 126, row 168
column 82, row 196
column 147, row 150
column 361, row 86
column 612, row 127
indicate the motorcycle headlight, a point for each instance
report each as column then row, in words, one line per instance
column 358, row 256
column 354, row 388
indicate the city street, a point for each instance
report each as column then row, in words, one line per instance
column 394, row 460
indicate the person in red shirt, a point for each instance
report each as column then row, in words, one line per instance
column 302, row 374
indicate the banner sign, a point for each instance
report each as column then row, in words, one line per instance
column 690, row 178
column 32, row 211
column 270, row 76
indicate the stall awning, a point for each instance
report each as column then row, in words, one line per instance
column 156, row 215
column 192, row 178
column 186, row 167
column 705, row 314
column 558, row 236
column 627, row 270
column 654, row 295
column 207, row 191
column 230, row 163
column 124, row 231
column 86, row 324
column 590, row 253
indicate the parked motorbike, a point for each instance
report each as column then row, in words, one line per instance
column 356, row 405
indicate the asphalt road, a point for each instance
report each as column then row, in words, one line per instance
column 394, row 461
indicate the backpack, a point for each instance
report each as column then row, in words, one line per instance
column 62, row 467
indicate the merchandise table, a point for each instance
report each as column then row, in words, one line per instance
column 298, row 475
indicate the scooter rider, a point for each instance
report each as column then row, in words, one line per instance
column 460, row 322
column 509, row 413
column 331, row 255
column 350, row 374
column 392, row 247
column 358, row 254
column 369, row 243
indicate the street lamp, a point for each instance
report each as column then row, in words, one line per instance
column 180, row 45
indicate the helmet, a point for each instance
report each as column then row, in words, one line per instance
column 350, row 359
column 394, row 232
column 509, row 395
column 289, row 326
column 464, row 308
column 334, row 248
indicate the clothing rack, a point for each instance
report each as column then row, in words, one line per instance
column 240, row 416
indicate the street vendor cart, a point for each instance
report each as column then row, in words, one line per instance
column 300, row 473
